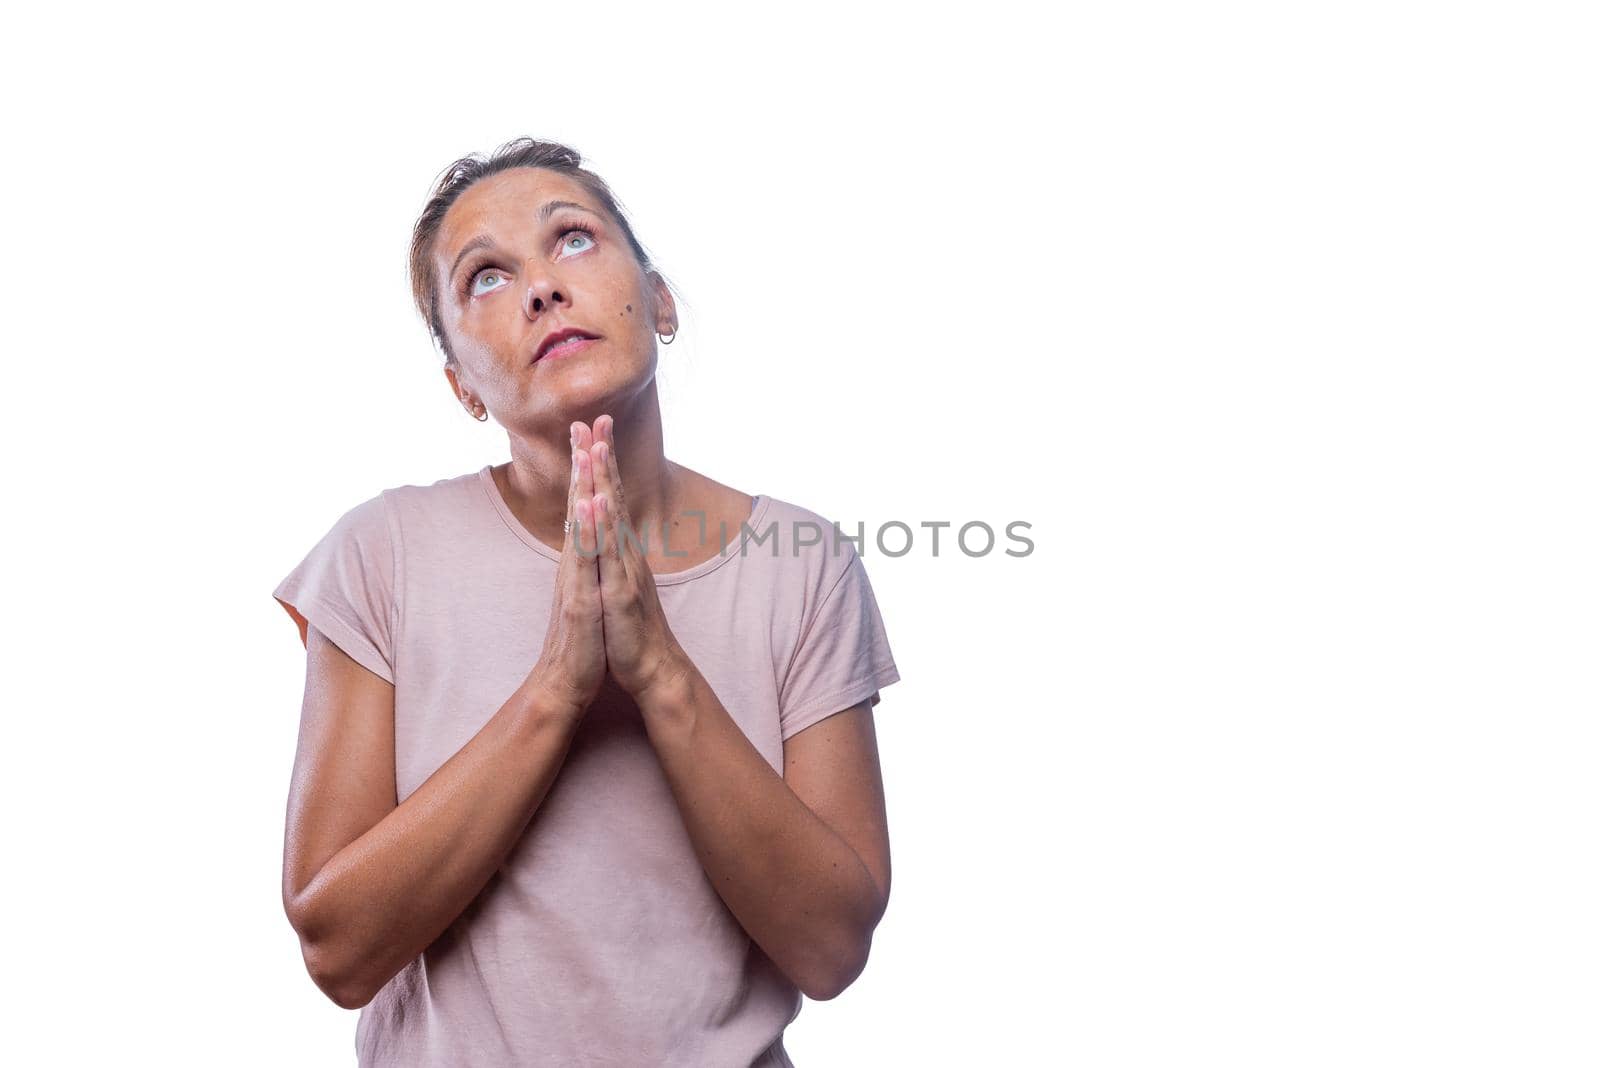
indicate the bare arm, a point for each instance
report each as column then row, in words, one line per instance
column 802, row 859
column 369, row 884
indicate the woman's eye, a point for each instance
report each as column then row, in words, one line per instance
column 576, row 235
column 472, row 287
column 566, row 246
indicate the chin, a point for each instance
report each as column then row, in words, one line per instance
column 586, row 392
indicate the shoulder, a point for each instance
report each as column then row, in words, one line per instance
column 799, row 526
column 441, row 492
column 379, row 525
column 815, row 551
column 415, row 511
column 368, row 523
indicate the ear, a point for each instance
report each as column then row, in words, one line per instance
column 666, row 308
column 456, row 389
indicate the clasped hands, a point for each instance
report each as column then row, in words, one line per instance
column 606, row 616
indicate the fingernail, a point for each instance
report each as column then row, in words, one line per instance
column 572, row 432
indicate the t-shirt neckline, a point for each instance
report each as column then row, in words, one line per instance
column 733, row 548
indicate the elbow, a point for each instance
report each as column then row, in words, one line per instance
column 831, row 972
column 826, row 980
column 326, row 962
column 349, row 1000
column 338, row 982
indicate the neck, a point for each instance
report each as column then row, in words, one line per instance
column 541, row 465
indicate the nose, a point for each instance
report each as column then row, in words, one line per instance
column 542, row 292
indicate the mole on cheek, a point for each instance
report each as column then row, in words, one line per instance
column 630, row 307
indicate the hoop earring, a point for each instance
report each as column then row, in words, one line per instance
column 669, row 338
column 484, row 418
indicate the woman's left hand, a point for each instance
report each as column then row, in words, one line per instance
column 641, row 652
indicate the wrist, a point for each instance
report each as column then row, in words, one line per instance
column 544, row 699
column 668, row 685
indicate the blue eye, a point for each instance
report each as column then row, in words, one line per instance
column 567, row 235
column 577, row 230
column 472, row 286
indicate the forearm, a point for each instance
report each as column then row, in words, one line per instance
column 382, row 899
column 798, row 888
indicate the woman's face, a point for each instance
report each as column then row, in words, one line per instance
column 514, row 265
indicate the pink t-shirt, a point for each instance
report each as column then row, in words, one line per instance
column 600, row 940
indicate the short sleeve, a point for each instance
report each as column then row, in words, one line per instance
column 843, row 657
column 345, row 586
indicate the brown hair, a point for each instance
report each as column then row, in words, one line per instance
column 460, row 175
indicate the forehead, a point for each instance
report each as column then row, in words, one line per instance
column 503, row 204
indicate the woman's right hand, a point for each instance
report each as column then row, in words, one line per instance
column 572, row 665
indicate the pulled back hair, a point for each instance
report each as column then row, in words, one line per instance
column 460, row 176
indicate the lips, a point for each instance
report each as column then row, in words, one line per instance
column 556, row 337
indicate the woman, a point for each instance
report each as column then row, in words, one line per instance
column 587, row 771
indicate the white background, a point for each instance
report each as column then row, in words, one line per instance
column 1277, row 322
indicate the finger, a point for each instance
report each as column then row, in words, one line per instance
column 587, row 526
column 609, row 436
column 613, row 575
column 602, row 466
column 564, row 566
column 581, row 437
column 585, row 580
column 573, row 494
column 632, row 541
column 578, row 434
column 587, row 576
column 601, row 471
column 628, row 538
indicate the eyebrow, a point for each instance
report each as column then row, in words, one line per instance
column 549, row 208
